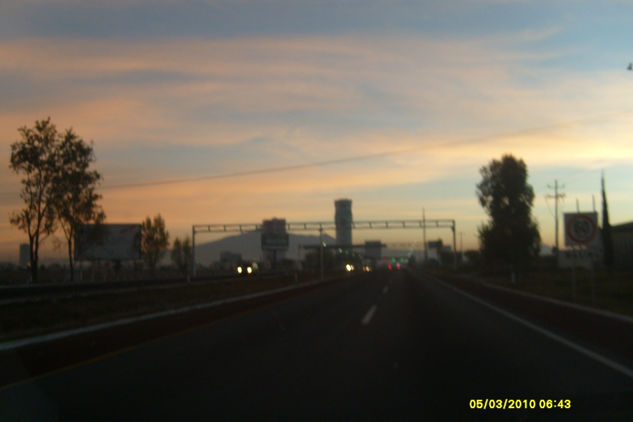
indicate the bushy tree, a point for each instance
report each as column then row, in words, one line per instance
column 511, row 236
column 154, row 241
column 58, row 186
column 181, row 255
column 75, row 199
column 33, row 157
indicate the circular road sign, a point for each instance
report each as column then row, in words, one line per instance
column 581, row 229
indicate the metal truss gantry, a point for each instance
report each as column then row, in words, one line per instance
column 319, row 226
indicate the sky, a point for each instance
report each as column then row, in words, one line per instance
column 393, row 104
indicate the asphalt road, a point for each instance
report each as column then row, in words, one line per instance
column 386, row 346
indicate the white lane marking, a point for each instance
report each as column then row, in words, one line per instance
column 385, row 290
column 369, row 315
column 593, row 355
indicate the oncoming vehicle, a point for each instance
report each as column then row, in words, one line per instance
column 246, row 268
column 351, row 267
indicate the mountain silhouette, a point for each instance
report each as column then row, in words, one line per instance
column 249, row 246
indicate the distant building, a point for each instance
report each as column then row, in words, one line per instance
column 274, row 240
column 373, row 249
column 343, row 221
column 25, row 255
column 622, row 235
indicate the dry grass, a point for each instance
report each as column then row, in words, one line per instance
column 26, row 319
column 611, row 292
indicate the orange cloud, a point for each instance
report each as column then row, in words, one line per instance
column 451, row 105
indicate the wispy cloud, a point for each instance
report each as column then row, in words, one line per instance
column 183, row 107
column 314, row 93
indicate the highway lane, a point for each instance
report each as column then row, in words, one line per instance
column 384, row 347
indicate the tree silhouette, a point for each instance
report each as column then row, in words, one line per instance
column 511, row 236
column 154, row 241
column 34, row 158
column 75, row 199
column 181, row 255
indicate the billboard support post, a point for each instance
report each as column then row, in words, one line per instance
column 193, row 251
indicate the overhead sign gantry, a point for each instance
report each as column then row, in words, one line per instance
column 320, row 226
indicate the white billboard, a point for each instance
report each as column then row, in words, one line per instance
column 581, row 229
column 107, row 242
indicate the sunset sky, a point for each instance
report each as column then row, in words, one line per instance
column 412, row 97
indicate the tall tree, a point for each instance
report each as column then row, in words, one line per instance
column 33, row 156
column 607, row 240
column 511, row 236
column 75, row 199
column 181, row 254
column 154, row 241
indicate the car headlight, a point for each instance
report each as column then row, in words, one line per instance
column 239, row 270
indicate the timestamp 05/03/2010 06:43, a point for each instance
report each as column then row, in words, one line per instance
column 519, row 404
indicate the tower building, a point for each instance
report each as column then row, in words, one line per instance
column 343, row 221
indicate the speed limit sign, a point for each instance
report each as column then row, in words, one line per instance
column 581, row 229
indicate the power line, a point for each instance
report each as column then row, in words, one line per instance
column 456, row 143
column 258, row 171
column 368, row 156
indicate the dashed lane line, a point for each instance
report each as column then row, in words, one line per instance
column 369, row 315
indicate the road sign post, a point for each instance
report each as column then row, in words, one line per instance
column 581, row 234
column 581, row 229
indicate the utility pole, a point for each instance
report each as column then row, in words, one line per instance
column 454, row 247
column 426, row 254
column 193, row 251
column 556, row 197
column 321, row 250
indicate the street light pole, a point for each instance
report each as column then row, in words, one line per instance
column 321, row 250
